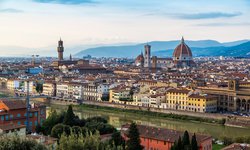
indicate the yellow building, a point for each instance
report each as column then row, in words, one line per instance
column 13, row 84
column 177, row 99
column 49, row 88
column 184, row 99
column 202, row 103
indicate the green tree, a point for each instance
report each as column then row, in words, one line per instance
column 57, row 130
column 186, row 140
column 179, row 144
column 133, row 142
column 117, row 139
column 76, row 130
column 51, row 121
column 75, row 142
column 17, row 143
column 69, row 118
column 39, row 88
column 194, row 145
column 227, row 140
column 174, row 146
column 40, row 129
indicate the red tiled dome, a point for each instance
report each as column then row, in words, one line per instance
column 139, row 59
column 182, row 50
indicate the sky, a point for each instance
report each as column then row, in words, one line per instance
column 28, row 25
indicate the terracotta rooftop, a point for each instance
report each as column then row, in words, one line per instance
column 14, row 104
column 163, row 134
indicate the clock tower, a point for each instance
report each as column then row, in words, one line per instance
column 60, row 50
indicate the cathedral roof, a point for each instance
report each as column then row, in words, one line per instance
column 182, row 50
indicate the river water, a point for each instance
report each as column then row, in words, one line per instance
column 118, row 118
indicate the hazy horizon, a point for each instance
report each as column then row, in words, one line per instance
column 29, row 25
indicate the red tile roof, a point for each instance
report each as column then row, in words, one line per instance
column 14, row 104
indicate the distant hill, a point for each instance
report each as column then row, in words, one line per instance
column 165, row 49
column 238, row 50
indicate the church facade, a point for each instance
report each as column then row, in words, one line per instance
column 182, row 57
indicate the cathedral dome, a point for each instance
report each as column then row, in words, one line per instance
column 139, row 60
column 182, row 51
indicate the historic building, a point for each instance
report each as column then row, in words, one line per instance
column 60, row 49
column 147, row 56
column 80, row 66
column 14, row 112
column 234, row 97
column 154, row 138
column 182, row 57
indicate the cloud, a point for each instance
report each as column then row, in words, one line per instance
column 70, row 2
column 225, row 24
column 209, row 15
column 10, row 10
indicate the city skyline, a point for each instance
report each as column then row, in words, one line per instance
column 38, row 24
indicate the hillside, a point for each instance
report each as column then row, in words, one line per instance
column 165, row 48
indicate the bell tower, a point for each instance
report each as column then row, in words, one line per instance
column 147, row 56
column 60, row 50
column 233, row 84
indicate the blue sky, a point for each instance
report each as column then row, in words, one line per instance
column 38, row 24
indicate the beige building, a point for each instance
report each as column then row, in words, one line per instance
column 13, row 84
column 49, row 88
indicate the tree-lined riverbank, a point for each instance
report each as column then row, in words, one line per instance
column 117, row 118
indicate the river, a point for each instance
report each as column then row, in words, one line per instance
column 117, row 119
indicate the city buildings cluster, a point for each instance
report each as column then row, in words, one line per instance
column 179, row 83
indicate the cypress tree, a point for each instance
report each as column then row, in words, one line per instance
column 186, row 140
column 194, row 145
column 179, row 144
column 134, row 141
column 69, row 118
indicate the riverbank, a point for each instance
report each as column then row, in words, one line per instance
column 212, row 118
column 117, row 119
column 151, row 114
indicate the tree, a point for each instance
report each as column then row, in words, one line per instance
column 117, row 139
column 74, row 142
column 17, row 143
column 227, row 140
column 57, row 130
column 40, row 129
column 76, row 130
column 39, row 88
column 194, row 145
column 69, row 118
column 185, row 140
column 133, row 142
column 179, row 144
column 51, row 121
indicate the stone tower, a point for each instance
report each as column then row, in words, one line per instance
column 147, row 56
column 60, row 50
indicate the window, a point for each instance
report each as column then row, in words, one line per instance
column 18, row 115
column 35, row 123
column 35, row 114
column 31, row 114
column 11, row 116
column 19, row 123
column 2, row 118
column 30, row 123
column 6, row 117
